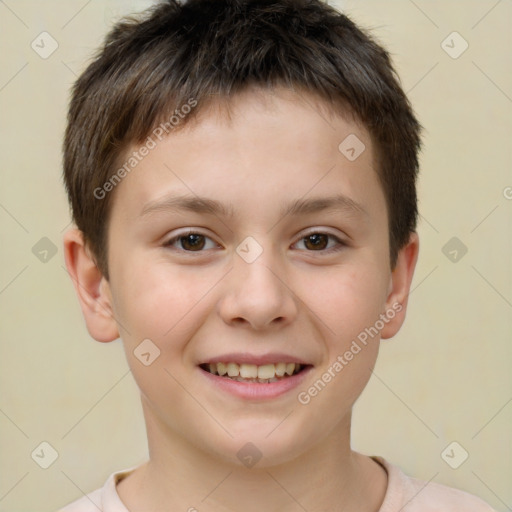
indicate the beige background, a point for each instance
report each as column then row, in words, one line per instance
column 446, row 376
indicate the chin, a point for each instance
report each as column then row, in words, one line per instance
column 262, row 444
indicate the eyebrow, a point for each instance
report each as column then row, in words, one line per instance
column 196, row 204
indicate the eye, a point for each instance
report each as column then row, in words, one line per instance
column 319, row 242
column 191, row 242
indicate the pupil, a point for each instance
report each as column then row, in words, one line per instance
column 193, row 241
column 318, row 240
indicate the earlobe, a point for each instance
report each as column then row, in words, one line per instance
column 399, row 287
column 92, row 289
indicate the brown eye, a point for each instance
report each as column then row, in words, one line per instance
column 321, row 243
column 316, row 241
column 190, row 242
column 193, row 242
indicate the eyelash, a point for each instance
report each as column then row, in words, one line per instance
column 340, row 243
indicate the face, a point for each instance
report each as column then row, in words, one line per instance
column 252, row 241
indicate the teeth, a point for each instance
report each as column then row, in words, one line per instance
column 233, row 370
column 262, row 374
column 267, row 371
column 290, row 368
column 280, row 369
column 248, row 371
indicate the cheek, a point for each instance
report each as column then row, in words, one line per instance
column 347, row 300
column 348, row 304
column 155, row 300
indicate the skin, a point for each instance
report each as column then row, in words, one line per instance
column 271, row 149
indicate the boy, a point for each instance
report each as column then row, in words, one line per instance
column 242, row 178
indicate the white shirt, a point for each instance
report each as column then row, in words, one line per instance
column 403, row 494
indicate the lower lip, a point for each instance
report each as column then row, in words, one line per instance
column 255, row 391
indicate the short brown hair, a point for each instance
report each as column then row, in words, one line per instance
column 151, row 65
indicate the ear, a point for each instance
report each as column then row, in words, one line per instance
column 399, row 287
column 91, row 286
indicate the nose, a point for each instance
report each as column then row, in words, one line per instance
column 257, row 295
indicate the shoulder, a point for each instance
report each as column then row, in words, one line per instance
column 434, row 497
column 105, row 499
column 412, row 495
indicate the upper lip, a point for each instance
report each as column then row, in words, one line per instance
column 258, row 360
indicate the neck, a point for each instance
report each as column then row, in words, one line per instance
column 184, row 477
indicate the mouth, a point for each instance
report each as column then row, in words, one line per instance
column 252, row 373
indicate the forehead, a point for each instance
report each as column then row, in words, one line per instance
column 271, row 147
column 296, row 116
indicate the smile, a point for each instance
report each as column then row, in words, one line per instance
column 261, row 374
